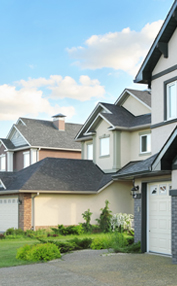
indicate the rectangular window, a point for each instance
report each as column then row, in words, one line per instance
column 171, row 100
column 3, row 162
column 90, row 151
column 26, row 159
column 104, row 146
column 145, row 143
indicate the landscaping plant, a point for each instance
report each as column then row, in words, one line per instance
column 121, row 222
column 105, row 218
column 87, row 217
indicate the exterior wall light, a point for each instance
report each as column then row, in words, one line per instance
column 134, row 192
column 19, row 202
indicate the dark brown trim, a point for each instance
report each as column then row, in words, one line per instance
column 169, row 70
column 163, row 123
column 144, row 218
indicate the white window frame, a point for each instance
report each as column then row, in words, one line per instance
column 148, row 143
column 26, row 162
column 171, row 104
column 90, row 151
column 3, row 162
column 104, row 146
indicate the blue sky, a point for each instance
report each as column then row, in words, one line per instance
column 66, row 56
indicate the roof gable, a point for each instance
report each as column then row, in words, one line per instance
column 159, row 47
column 143, row 96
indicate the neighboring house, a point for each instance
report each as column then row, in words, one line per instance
column 57, row 191
column 156, row 177
column 31, row 140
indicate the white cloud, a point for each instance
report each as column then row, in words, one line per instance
column 27, row 98
column 27, row 102
column 67, row 87
column 120, row 50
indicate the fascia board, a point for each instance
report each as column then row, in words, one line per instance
column 20, row 119
column 99, row 115
column 121, row 96
column 134, row 96
column 163, row 150
column 1, row 182
column 4, row 145
column 139, row 76
column 93, row 114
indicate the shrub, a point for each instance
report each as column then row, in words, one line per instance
column 87, row 217
column 2, row 236
column 121, row 222
column 64, row 246
column 72, row 229
column 81, row 243
column 44, row 252
column 105, row 218
column 96, row 228
column 14, row 231
column 102, row 243
column 119, row 242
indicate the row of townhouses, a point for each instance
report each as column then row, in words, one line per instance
column 52, row 171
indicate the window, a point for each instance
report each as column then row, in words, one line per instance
column 171, row 100
column 145, row 143
column 90, row 151
column 104, row 146
column 3, row 162
column 26, row 159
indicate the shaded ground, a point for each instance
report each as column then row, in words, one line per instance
column 90, row 267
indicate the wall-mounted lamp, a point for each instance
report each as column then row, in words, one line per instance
column 134, row 192
column 19, row 202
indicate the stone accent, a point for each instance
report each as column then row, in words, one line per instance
column 25, row 211
column 174, row 228
column 137, row 219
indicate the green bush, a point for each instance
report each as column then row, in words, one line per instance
column 14, row 231
column 119, row 242
column 39, row 252
column 72, row 229
column 105, row 218
column 64, row 246
column 102, row 243
column 2, row 236
column 87, row 217
column 81, row 243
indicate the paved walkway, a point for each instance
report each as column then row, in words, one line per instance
column 90, row 267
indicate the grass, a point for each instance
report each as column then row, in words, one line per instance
column 8, row 247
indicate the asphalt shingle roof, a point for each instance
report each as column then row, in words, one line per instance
column 136, row 167
column 43, row 133
column 119, row 116
column 8, row 143
column 58, row 175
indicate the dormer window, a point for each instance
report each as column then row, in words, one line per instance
column 3, row 162
column 104, row 146
column 145, row 143
column 90, row 151
column 171, row 100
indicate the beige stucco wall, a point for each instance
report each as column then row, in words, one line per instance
column 105, row 162
column 151, row 180
column 135, row 106
column 161, row 133
column 67, row 209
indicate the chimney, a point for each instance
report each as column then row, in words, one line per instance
column 59, row 121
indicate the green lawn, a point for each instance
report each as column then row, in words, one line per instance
column 8, row 247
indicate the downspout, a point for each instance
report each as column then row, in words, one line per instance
column 33, row 211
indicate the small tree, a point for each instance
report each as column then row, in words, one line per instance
column 105, row 218
column 87, row 217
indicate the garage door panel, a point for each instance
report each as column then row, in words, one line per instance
column 8, row 212
column 159, row 218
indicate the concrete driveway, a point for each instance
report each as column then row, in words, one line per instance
column 92, row 267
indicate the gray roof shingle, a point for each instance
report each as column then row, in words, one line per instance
column 43, row 133
column 119, row 116
column 7, row 143
column 58, row 175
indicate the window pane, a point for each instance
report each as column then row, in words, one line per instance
column 90, row 151
column 171, row 101
column 3, row 163
column 26, row 159
column 143, row 143
column 104, row 146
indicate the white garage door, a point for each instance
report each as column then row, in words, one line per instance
column 8, row 212
column 159, row 218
